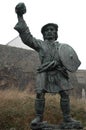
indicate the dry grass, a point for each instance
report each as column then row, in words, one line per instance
column 17, row 110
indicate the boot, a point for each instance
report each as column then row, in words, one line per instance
column 65, row 107
column 39, row 108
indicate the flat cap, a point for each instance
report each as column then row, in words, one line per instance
column 49, row 24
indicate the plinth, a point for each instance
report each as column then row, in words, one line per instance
column 67, row 126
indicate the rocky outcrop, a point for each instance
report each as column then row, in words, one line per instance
column 17, row 67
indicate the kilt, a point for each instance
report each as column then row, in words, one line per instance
column 52, row 82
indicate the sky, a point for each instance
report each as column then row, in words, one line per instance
column 70, row 15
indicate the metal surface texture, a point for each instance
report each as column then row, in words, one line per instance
column 69, row 57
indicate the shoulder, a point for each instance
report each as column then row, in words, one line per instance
column 60, row 44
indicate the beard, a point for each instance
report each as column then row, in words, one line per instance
column 50, row 36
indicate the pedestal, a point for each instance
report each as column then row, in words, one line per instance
column 63, row 126
column 71, row 125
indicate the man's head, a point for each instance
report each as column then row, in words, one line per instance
column 49, row 31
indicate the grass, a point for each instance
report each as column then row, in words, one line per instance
column 17, row 110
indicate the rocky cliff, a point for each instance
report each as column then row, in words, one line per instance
column 17, row 66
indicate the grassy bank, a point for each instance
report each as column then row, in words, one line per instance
column 17, row 110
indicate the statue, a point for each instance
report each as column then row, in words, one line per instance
column 52, row 76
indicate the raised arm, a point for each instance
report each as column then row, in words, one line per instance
column 23, row 29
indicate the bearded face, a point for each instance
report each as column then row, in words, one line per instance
column 50, row 33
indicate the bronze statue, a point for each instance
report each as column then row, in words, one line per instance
column 56, row 61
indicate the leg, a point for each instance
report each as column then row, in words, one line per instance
column 39, row 108
column 65, row 106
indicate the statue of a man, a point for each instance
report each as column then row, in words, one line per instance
column 52, row 75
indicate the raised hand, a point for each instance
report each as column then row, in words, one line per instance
column 20, row 9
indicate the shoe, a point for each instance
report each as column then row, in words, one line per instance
column 70, row 119
column 36, row 120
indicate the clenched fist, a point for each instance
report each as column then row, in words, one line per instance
column 20, row 9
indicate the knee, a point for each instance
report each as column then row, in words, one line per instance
column 40, row 95
column 64, row 95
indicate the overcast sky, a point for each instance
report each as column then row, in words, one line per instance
column 70, row 15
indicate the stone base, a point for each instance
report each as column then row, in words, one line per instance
column 44, row 126
column 67, row 126
column 71, row 125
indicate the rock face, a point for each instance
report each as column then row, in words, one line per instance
column 19, row 58
column 18, row 69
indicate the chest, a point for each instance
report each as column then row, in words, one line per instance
column 49, row 52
